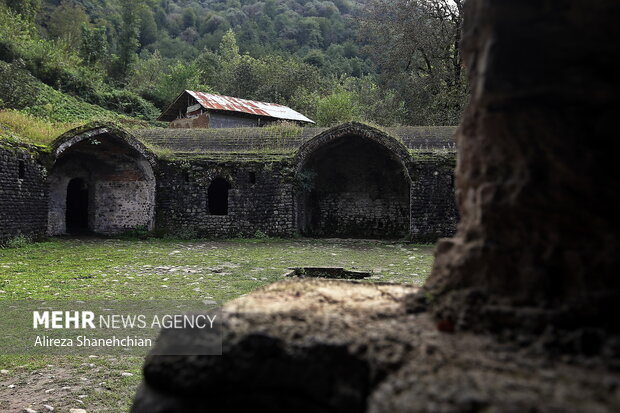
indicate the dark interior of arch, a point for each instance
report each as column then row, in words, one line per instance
column 77, row 206
column 358, row 190
column 218, row 197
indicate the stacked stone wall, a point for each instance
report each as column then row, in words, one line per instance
column 23, row 192
column 357, row 214
column 434, row 213
column 358, row 197
column 260, row 199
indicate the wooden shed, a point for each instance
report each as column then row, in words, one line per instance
column 205, row 110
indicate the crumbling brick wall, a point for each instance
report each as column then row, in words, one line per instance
column 260, row 199
column 23, row 192
column 433, row 207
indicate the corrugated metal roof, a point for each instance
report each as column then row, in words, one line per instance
column 232, row 104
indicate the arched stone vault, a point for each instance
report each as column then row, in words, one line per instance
column 118, row 171
column 92, row 130
column 354, row 181
column 396, row 148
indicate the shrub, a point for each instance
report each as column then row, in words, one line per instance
column 62, row 70
column 15, row 87
column 336, row 108
column 128, row 103
column 20, row 241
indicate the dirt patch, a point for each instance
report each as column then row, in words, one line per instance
column 55, row 386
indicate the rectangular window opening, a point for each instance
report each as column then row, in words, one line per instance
column 22, row 169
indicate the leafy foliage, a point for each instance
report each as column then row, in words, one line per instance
column 49, row 61
column 20, row 90
column 386, row 62
column 416, row 45
column 336, row 108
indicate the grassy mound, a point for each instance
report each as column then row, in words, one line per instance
column 24, row 52
column 34, row 112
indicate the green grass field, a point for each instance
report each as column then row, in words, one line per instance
column 112, row 269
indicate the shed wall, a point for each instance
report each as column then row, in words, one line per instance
column 223, row 120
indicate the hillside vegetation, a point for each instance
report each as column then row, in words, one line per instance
column 68, row 61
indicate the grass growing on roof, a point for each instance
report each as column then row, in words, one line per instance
column 33, row 129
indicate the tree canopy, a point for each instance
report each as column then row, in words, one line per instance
column 386, row 61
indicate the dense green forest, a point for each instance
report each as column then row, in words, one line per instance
column 387, row 62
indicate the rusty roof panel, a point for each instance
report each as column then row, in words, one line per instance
column 232, row 104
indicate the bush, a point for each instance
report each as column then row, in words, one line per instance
column 19, row 241
column 336, row 108
column 15, row 87
column 22, row 91
column 128, row 103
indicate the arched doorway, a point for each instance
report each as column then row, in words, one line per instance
column 353, row 186
column 102, row 181
column 218, row 196
column 77, row 206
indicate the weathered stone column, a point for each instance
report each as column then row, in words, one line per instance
column 537, row 178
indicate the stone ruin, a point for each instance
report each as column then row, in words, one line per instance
column 352, row 181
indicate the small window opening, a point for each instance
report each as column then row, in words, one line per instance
column 186, row 177
column 252, row 178
column 22, row 169
column 218, row 197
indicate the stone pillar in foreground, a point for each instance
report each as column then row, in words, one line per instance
column 537, row 177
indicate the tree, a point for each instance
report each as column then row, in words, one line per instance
column 315, row 57
column 189, row 18
column 378, row 105
column 415, row 43
column 210, row 66
column 284, row 78
column 339, row 107
column 229, row 50
column 270, row 8
column 148, row 27
column 27, row 8
column 94, row 47
column 181, row 76
column 66, row 23
column 128, row 42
